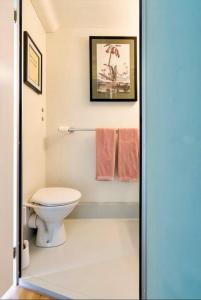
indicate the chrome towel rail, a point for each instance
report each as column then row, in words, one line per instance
column 69, row 130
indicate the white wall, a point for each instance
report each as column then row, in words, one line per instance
column 34, row 130
column 71, row 159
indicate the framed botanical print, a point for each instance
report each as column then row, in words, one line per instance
column 32, row 64
column 113, row 68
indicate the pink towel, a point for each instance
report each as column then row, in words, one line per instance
column 105, row 153
column 128, row 154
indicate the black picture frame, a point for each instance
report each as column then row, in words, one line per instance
column 95, row 83
column 29, row 44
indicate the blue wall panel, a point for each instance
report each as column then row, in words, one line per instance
column 173, row 147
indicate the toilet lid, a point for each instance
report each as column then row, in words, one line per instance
column 55, row 196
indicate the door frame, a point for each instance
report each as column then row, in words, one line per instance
column 142, row 125
column 142, row 201
column 20, row 160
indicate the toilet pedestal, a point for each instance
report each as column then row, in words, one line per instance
column 51, row 235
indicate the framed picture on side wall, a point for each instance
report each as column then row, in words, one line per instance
column 113, row 68
column 32, row 64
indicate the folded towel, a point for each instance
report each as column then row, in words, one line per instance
column 128, row 154
column 105, row 153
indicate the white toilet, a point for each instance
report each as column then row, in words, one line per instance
column 51, row 206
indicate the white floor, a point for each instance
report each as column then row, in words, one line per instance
column 100, row 260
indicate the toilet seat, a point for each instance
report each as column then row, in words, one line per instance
column 55, row 196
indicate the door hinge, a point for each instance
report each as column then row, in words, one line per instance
column 15, row 16
column 14, row 252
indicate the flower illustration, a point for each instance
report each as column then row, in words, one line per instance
column 112, row 50
column 112, row 73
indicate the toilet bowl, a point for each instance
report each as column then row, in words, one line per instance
column 51, row 206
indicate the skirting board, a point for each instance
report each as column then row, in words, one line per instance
column 105, row 210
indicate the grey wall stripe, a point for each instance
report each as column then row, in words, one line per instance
column 106, row 210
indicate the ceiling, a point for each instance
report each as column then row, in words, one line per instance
column 83, row 13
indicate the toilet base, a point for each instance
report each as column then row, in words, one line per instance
column 51, row 235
